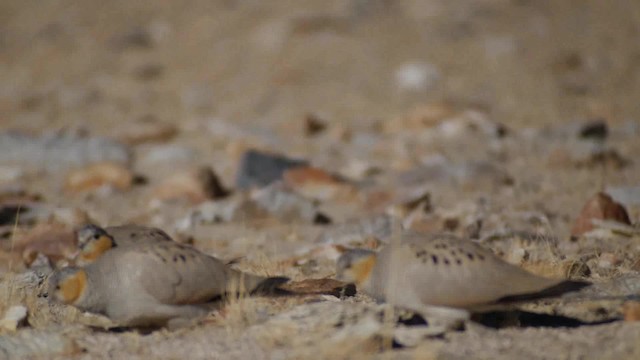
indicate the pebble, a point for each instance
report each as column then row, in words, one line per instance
column 594, row 129
column 601, row 206
column 169, row 154
column 134, row 38
column 195, row 185
column 10, row 174
column 145, row 130
column 317, row 184
column 56, row 151
column 236, row 207
column 320, row 286
column 417, row 76
column 631, row 311
column 608, row 260
column 359, row 170
column 469, row 123
column 314, row 125
column 56, row 242
column 422, row 116
column 357, row 230
column 259, row 169
column 284, row 204
column 13, row 317
column 99, row 175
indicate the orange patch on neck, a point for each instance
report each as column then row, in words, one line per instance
column 362, row 269
column 96, row 249
column 73, row 286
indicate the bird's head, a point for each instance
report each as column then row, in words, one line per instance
column 93, row 241
column 68, row 284
column 355, row 266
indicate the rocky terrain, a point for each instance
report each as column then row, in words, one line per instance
column 277, row 134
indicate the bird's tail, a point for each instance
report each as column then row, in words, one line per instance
column 553, row 291
column 253, row 284
column 269, row 285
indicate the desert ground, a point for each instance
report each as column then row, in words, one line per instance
column 276, row 134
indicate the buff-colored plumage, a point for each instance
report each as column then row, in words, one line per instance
column 422, row 272
column 151, row 281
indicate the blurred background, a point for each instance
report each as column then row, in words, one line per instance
column 99, row 63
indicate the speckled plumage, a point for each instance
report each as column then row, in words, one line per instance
column 422, row 271
column 155, row 281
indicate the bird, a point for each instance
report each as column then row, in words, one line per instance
column 443, row 276
column 94, row 240
column 152, row 283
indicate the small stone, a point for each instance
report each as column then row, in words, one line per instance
column 56, row 242
column 601, row 207
column 406, row 203
column 99, row 175
column 145, row 130
column 423, row 116
column 314, row 183
column 134, row 38
column 166, row 154
column 631, row 311
column 313, row 125
column 469, row 123
column 611, row 228
column 58, row 151
column 517, row 255
column 13, row 317
column 320, row 286
column 608, row 260
column 10, row 173
column 259, row 169
column 595, row 129
column 233, row 208
column 353, row 231
column 417, row 76
column 412, row 336
column 359, row 170
column 284, row 204
column 147, row 72
column 196, row 185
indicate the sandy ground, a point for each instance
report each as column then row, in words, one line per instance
column 480, row 118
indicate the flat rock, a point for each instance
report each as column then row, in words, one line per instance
column 99, row 175
column 196, row 185
column 147, row 129
column 58, row 151
column 258, row 169
column 602, row 207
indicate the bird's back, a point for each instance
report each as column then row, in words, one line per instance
column 452, row 272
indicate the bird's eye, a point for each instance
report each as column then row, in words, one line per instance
column 96, row 236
